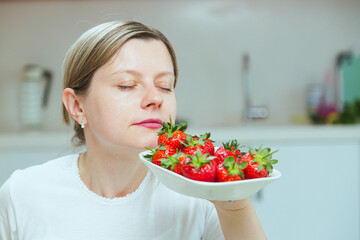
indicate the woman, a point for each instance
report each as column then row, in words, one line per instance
column 119, row 80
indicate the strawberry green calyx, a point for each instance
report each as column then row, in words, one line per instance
column 233, row 167
column 198, row 160
column 205, row 136
column 232, row 145
column 170, row 161
column 189, row 141
column 150, row 156
column 263, row 156
column 170, row 128
column 192, row 141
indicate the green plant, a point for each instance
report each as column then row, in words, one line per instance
column 350, row 113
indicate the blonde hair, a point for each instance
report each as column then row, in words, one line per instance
column 93, row 49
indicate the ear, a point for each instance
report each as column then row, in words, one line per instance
column 72, row 104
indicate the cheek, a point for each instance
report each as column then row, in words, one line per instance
column 109, row 112
column 171, row 106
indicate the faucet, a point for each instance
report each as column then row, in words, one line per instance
column 250, row 112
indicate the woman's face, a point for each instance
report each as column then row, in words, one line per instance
column 130, row 96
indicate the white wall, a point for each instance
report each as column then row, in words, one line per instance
column 291, row 44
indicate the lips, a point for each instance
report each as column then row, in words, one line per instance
column 150, row 123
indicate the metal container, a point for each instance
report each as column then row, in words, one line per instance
column 34, row 95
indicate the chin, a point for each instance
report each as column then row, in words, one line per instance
column 152, row 145
column 143, row 140
column 148, row 143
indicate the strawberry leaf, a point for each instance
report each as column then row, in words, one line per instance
column 243, row 165
column 229, row 161
column 170, row 161
column 169, row 135
column 199, row 159
column 232, row 145
column 274, row 161
column 269, row 168
column 150, row 149
column 170, row 128
column 252, row 152
column 148, row 157
column 182, row 126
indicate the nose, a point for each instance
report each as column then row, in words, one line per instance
column 152, row 99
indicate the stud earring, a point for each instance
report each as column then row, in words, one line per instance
column 82, row 124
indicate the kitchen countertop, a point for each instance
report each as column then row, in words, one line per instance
column 285, row 133
column 242, row 134
column 33, row 139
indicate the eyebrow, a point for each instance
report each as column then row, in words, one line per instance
column 138, row 74
column 132, row 72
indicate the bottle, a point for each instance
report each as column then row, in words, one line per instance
column 34, row 93
column 315, row 97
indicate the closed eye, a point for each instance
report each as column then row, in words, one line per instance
column 126, row 87
column 166, row 89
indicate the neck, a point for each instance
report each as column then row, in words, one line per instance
column 111, row 174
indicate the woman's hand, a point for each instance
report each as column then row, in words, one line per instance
column 238, row 220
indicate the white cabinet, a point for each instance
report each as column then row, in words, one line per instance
column 317, row 196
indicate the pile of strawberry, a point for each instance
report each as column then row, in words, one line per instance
column 195, row 157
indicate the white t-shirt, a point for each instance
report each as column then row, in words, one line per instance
column 50, row 201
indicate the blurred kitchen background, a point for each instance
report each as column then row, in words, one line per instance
column 281, row 73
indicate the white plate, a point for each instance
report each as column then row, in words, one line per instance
column 219, row 191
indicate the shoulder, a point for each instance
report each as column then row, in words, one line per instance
column 35, row 177
column 4, row 198
column 46, row 169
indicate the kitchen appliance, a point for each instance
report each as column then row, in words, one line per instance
column 251, row 112
column 349, row 78
column 34, row 95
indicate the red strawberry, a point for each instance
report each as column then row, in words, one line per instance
column 192, row 143
column 172, row 135
column 259, row 162
column 160, row 153
column 200, row 167
column 174, row 162
column 228, row 149
column 222, row 153
column 230, row 170
column 234, row 146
